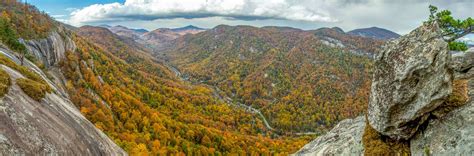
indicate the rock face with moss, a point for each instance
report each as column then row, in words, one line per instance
column 411, row 78
column 50, row 125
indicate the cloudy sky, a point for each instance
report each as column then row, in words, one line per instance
column 400, row 16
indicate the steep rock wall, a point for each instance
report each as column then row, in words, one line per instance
column 52, row 126
column 51, row 49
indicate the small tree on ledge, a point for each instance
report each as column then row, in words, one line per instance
column 453, row 29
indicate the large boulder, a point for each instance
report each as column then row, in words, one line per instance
column 411, row 79
column 344, row 139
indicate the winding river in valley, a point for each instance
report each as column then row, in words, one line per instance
column 218, row 93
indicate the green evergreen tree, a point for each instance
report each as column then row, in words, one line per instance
column 453, row 29
column 9, row 37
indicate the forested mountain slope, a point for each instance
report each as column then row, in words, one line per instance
column 155, row 113
column 37, row 116
column 302, row 81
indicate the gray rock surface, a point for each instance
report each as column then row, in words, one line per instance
column 411, row 78
column 451, row 135
column 52, row 126
column 52, row 49
column 463, row 64
column 344, row 139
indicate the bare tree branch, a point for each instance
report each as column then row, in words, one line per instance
column 464, row 33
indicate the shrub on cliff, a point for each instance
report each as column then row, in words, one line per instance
column 458, row 98
column 23, row 70
column 33, row 85
column 34, row 89
column 4, row 82
column 377, row 144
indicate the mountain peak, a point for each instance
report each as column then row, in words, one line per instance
column 189, row 27
column 104, row 26
column 374, row 32
column 121, row 26
column 338, row 29
column 192, row 27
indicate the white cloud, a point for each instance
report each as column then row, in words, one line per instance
column 400, row 16
column 62, row 20
column 189, row 9
column 71, row 9
column 58, row 16
column 469, row 39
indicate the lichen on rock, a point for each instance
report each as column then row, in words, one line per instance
column 411, row 79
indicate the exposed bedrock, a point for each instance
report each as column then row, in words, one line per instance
column 411, row 78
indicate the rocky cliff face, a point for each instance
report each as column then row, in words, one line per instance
column 413, row 76
column 52, row 49
column 53, row 125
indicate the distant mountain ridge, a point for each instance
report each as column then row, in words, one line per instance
column 374, row 32
column 141, row 30
column 157, row 39
column 189, row 27
column 161, row 39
